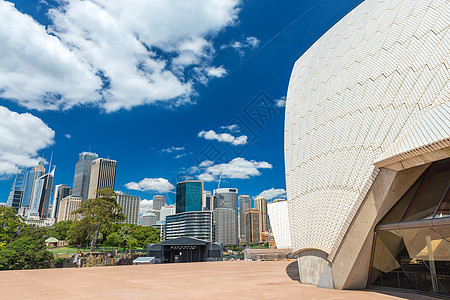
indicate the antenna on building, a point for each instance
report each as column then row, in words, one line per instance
column 50, row 165
column 220, row 178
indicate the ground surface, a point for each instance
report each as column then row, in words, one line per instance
column 211, row 280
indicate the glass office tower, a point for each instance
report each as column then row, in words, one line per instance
column 28, row 188
column 43, row 187
column 189, row 196
column 83, row 174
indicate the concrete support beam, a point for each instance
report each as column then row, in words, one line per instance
column 350, row 266
column 311, row 264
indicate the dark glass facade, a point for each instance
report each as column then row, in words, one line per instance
column 412, row 242
column 189, row 196
column 83, row 175
column 198, row 225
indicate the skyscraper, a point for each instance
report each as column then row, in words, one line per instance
column 130, row 205
column 67, row 206
column 208, row 201
column 82, row 175
column 16, row 194
column 189, row 196
column 244, row 204
column 158, row 202
column 42, row 191
column 166, row 211
column 252, row 219
column 148, row 219
column 103, row 176
column 261, row 204
column 61, row 191
column 28, row 187
column 225, row 229
column 228, row 197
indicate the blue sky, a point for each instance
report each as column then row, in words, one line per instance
column 170, row 89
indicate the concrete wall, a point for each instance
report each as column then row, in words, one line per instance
column 311, row 264
column 350, row 265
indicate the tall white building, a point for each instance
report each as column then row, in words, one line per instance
column 148, row 219
column 367, row 136
column 130, row 205
column 67, row 206
column 277, row 211
column 158, row 202
column 165, row 211
column 103, row 176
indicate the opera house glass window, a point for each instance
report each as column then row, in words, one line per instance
column 412, row 242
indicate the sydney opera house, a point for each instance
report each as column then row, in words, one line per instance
column 367, row 150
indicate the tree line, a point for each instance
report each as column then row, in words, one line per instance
column 23, row 246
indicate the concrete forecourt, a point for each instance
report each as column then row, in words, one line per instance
column 207, row 280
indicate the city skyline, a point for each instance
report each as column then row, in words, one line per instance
column 157, row 143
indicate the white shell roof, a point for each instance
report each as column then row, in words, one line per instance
column 431, row 128
column 352, row 95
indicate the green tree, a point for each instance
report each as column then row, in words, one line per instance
column 60, row 230
column 78, row 234
column 113, row 239
column 98, row 212
column 10, row 225
column 27, row 251
column 122, row 238
column 146, row 235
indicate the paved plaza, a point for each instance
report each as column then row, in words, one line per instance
column 207, row 280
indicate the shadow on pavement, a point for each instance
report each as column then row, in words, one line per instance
column 292, row 271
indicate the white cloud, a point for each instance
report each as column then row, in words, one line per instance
column 159, row 185
column 145, row 206
column 172, row 149
column 273, row 193
column 22, row 136
column 110, row 53
column 37, row 69
column 206, row 163
column 232, row 128
column 281, row 102
column 223, row 137
column 68, row 136
column 250, row 42
column 239, row 168
column 216, row 71
column 180, row 155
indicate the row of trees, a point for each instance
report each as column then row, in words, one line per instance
column 99, row 224
column 23, row 246
column 111, row 234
